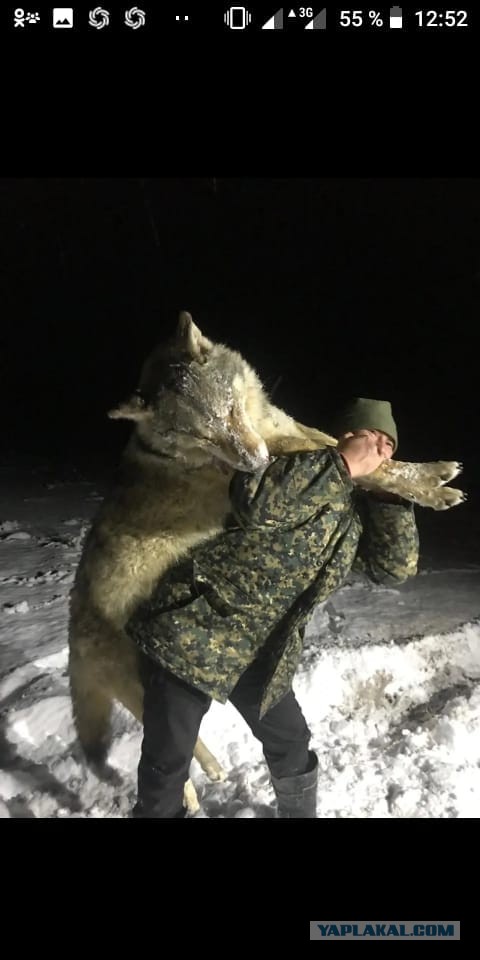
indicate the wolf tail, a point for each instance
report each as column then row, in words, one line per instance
column 92, row 706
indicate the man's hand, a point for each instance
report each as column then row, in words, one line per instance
column 364, row 450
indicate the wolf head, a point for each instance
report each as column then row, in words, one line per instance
column 197, row 401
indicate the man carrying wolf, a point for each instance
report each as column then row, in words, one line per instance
column 228, row 622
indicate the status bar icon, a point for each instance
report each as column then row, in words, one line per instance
column 63, row 18
column 237, row 18
column 319, row 22
column 275, row 22
column 396, row 19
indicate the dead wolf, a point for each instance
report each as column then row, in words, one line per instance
column 200, row 412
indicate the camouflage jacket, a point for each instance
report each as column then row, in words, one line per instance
column 294, row 534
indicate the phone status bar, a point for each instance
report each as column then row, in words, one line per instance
column 233, row 20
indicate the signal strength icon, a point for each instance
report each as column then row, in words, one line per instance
column 319, row 22
column 275, row 22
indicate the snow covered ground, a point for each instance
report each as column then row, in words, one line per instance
column 390, row 681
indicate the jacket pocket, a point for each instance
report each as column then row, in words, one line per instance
column 222, row 593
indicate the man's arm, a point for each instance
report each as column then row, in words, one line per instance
column 389, row 545
column 290, row 490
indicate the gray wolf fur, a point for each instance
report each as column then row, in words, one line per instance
column 199, row 413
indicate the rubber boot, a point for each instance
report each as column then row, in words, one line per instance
column 297, row 796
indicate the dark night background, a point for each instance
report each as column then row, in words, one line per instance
column 340, row 287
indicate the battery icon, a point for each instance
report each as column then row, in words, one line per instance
column 396, row 22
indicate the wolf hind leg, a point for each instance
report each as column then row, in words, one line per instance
column 190, row 799
column 213, row 770
column 208, row 762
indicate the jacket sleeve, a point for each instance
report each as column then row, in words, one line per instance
column 290, row 490
column 388, row 548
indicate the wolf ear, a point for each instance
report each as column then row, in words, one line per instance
column 191, row 338
column 133, row 409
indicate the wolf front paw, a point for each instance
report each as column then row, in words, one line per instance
column 446, row 497
column 445, row 470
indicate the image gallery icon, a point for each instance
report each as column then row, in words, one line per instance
column 63, row 18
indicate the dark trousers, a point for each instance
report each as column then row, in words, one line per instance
column 172, row 714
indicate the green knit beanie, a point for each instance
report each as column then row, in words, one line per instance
column 364, row 414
